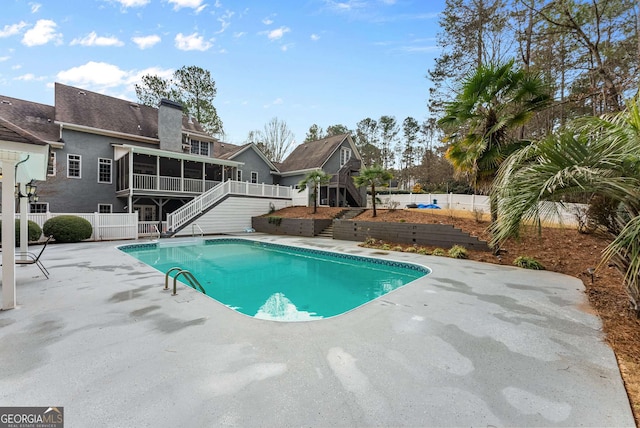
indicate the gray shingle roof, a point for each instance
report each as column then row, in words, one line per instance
column 37, row 118
column 312, row 155
column 94, row 110
column 10, row 132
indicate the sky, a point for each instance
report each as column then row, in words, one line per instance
column 305, row 62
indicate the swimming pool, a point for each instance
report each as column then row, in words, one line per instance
column 279, row 282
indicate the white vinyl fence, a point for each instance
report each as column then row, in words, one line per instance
column 459, row 202
column 106, row 227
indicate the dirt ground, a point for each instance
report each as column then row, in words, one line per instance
column 558, row 249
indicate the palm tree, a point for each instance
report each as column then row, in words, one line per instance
column 314, row 180
column 485, row 123
column 593, row 156
column 373, row 176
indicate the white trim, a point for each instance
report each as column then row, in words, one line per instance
column 251, row 177
column 122, row 149
column 91, row 130
column 79, row 166
column 299, row 172
column 259, row 152
column 110, row 170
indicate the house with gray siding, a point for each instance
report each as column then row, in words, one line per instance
column 111, row 155
column 337, row 156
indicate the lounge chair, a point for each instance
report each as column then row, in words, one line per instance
column 28, row 258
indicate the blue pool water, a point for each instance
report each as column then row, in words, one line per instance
column 279, row 282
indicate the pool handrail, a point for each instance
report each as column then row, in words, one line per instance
column 193, row 282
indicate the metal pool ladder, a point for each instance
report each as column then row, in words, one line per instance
column 193, row 282
column 193, row 230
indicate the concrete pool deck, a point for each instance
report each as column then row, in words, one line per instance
column 471, row 344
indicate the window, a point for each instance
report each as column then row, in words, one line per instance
column 104, row 170
column 105, row 208
column 74, row 165
column 39, row 207
column 254, row 177
column 239, row 175
column 345, row 155
column 51, row 167
column 200, row 147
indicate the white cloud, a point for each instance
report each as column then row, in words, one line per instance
column 315, row 37
column 193, row 4
column 267, row 21
column 277, row 33
column 4, row 58
column 29, row 77
column 42, row 33
column 345, row 6
column 225, row 21
column 93, row 74
column 277, row 101
column 286, row 47
column 16, row 67
column 133, row 3
column 145, row 42
column 389, row 2
column 239, row 34
column 136, row 76
column 92, row 39
column 35, row 7
column 104, row 77
column 192, row 42
column 12, row 30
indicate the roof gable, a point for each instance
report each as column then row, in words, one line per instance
column 37, row 118
column 313, row 154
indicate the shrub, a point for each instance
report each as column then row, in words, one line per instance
column 370, row 242
column 458, row 252
column 528, row 263
column 398, row 248
column 34, row 232
column 68, row 228
column 602, row 213
column 385, row 247
column 423, row 251
column 478, row 214
column 410, row 250
column 438, row 252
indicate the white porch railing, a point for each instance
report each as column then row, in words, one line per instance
column 171, row 184
column 147, row 228
column 201, row 202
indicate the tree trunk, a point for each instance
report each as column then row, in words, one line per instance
column 373, row 198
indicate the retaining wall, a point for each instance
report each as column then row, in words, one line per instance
column 439, row 235
column 290, row 226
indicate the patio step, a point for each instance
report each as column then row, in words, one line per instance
column 347, row 214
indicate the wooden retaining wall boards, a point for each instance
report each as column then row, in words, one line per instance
column 438, row 235
column 289, row 226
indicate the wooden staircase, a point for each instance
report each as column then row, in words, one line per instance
column 346, row 214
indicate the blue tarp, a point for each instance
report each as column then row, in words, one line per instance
column 429, row 206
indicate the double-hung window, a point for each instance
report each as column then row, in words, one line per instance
column 74, row 166
column 200, row 147
column 345, row 155
column 254, row 177
column 51, row 167
column 104, row 170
